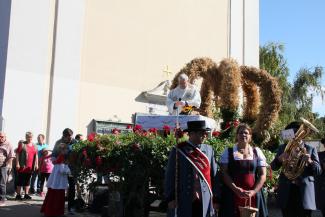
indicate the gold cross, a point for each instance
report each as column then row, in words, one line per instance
column 167, row 71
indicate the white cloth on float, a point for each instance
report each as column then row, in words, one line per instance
column 159, row 121
column 190, row 95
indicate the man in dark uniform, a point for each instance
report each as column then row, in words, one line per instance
column 196, row 175
column 296, row 197
column 320, row 181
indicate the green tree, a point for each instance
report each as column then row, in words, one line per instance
column 273, row 61
column 305, row 86
column 298, row 97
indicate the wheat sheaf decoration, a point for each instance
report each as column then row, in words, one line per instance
column 220, row 88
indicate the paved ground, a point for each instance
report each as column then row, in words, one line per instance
column 31, row 209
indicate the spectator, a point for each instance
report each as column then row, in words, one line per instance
column 35, row 175
column 26, row 163
column 45, row 167
column 6, row 156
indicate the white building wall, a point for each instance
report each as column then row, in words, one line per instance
column 67, row 63
column 236, row 30
column 128, row 44
column 251, row 34
column 24, row 102
column 79, row 84
column 244, row 31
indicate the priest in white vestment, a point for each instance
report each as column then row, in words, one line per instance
column 185, row 94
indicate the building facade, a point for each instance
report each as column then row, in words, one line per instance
column 64, row 63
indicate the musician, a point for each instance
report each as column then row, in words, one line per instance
column 296, row 198
column 320, row 181
column 196, row 174
column 243, row 170
column 185, row 94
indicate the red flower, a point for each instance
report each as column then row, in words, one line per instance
column 137, row 128
column 116, row 131
column 84, row 153
column 166, row 128
column 136, row 147
column 129, row 127
column 179, row 133
column 236, row 123
column 227, row 125
column 153, row 130
column 98, row 161
column 91, row 137
column 216, row 133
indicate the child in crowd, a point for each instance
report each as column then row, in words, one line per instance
column 45, row 168
column 26, row 163
column 53, row 204
column 14, row 168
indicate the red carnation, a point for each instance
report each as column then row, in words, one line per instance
column 179, row 133
column 136, row 146
column 166, row 128
column 137, row 128
column 116, row 131
column 236, row 123
column 144, row 133
column 216, row 133
column 84, row 153
column 98, row 161
column 153, row 130
column 91, row 137
column 227, row 125
column 129, row 127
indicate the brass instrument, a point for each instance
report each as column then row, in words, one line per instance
column 294, row 165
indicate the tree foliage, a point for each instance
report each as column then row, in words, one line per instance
column 297, row 98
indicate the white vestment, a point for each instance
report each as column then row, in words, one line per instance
column 189, row 95
column 59, row 177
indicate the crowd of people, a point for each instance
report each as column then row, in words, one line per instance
column 34, row 164
column 195, row 184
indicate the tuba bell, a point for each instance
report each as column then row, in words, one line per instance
column 294, row 165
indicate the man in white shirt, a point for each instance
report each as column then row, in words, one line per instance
column 185, row 94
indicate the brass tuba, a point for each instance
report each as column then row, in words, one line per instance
column 294, row 165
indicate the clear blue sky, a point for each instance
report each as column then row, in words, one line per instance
column 300, row 26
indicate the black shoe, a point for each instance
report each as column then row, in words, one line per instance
column 27, row 197
column 18, row 197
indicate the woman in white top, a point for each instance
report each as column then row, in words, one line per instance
column 243, row 170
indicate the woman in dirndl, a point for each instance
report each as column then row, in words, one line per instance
column 53, row 204
column 243, row 171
